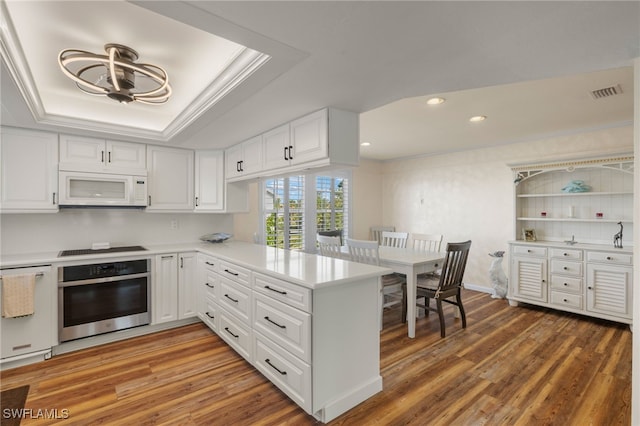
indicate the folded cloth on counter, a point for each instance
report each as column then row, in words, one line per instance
column 17, row 295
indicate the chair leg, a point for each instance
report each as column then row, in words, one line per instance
column 461, row 308
column 441, row 315
column 404, row 304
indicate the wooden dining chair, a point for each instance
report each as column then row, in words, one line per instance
column 332, row 233
column 394, row 239
column 329, row 246
column 444, row 288
column 376, row 232
column 368, row 251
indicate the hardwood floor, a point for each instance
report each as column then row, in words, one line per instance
column 511, row 366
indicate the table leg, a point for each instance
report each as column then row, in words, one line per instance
column 411, row 303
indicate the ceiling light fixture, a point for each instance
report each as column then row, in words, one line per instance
column 116, row 75
column 435, row 101
column 478, row 118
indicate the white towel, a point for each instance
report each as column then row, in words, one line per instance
column 17, row 295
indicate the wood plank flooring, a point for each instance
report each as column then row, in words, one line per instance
column 511, row 366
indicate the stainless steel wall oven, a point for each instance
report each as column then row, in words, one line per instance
column 104, row 297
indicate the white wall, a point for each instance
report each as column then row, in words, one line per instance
column 469, row 195
column 78, row 228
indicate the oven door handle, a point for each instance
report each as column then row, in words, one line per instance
column 103, row 280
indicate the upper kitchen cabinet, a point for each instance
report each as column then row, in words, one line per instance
column 328, row 137
column 244, row 159
column 83, row 154
column 212, row 193
column 171, row 179
column 29, row 176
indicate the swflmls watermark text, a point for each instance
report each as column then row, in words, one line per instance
column 31, row 413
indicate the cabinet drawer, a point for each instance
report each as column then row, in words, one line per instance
column 236, row 334
column 210, row 314
column 530, row 251
column 568, row 284
column 288, row 373
column 235, row 298
column 566, row 254
column 567, row 300
column 287, row 326
column 607, row 257
column 291, row 294
column 236, row 273
column 208, row 263
column 566, row 268
column 211, row 285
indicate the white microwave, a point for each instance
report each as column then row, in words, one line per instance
column 102, row 190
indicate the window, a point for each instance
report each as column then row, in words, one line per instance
column 294, row 208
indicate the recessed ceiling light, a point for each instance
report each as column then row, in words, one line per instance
column 365, row 144
column 478, row 118
column 435, row 101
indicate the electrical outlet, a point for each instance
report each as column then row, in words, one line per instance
column 174, row 223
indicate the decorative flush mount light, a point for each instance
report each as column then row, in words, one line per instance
column 478, row 118
column 435, row 101
column 116, row 75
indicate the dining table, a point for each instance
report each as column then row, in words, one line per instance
column 409, row 262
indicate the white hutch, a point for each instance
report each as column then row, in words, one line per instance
column 566, row 217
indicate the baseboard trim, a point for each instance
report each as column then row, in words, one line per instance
column 479, row 288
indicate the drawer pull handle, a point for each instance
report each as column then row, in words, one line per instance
column 565, row 284
column 273, row 289
column 209, row 263
column 284, row 373
column 210, row 316
column 209, row 285
column 565, row 300
column 609, row 258
column 17, row 348
column 275, row 323
column 565, row 254
column 229, row 331
column 565, row 268
column 232, row 273
column 528, row 251
column 231, row 298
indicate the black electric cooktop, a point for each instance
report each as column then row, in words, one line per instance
column 81, row 252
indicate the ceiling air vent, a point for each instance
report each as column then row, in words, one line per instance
column 606, row 92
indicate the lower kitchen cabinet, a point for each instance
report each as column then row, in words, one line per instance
column 174, row 292
column 592, row 280
column 36, row 334
column 310, row 343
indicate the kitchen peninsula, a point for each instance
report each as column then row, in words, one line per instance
column 308, row 323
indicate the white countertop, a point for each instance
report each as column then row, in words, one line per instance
column 307, row 270
column 581, row 246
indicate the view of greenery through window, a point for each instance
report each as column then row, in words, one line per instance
column 287, row 208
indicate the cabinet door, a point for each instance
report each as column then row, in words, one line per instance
column 276, row 148
column 170, row 179
column 187, row 285
column 165, row 288
column 209, row 181
column 529, row 278
column 609, row 289
column 309, row 138
column 232, row 161
column 29, row 175
column 79, row 153
column 126, row 156
column 252, row 155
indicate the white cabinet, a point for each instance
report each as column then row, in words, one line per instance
column 84, row 154
column 209, row 181
column 212, row 192
column 244, row 159
column 590, row 216
column 34, row 334
column 171, row 179
column 324, row 138
column 174, row 290
column 587, row 279
column 165, row 288
column 29, row 175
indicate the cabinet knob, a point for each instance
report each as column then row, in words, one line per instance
column 565, row 300
column 590, row 288
column 565, row 268
column 565, row 254
column 544, row 281
column 528, row 251
column 609, row 258
column 565, row 284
